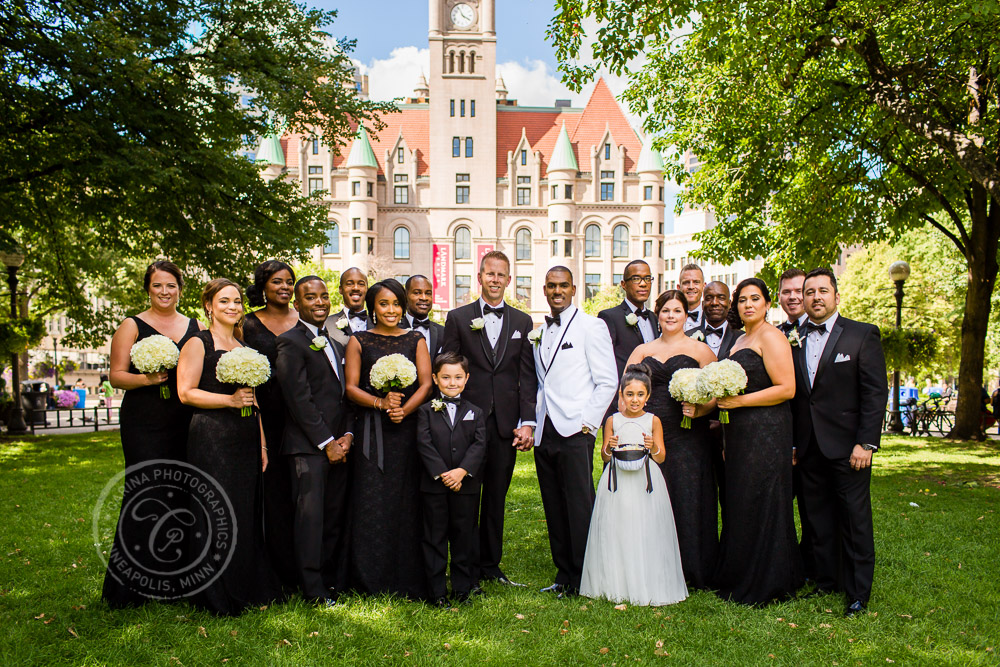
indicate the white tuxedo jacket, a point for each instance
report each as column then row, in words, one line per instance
column 579, row 378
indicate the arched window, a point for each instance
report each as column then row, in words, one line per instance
column 592, row 241
column 461, row 62
column 401, row 243
column 451, row 62
column 463, row 243
column 472, row 62
column 332, row 245
column 619, row 245
column 523, row 242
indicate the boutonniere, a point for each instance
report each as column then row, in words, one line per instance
column 318, row 343
column 535, row 336
column 793, row 338
column 437, row 404
column 477, row 324
column 343, row 323
column 699, row 336
column 632, row 320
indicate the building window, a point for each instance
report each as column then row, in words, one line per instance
column 461, row 194
column 472, row 62
column 371, row 224
column 463, row 243
column 356, row 224
column 619, row 245
column 647, row 248
column 461, row 178
column 461, row 108
column 355, row 188
column 524, row 156
column 456, row 147
column 401, row 194
column 463, row 285
column 356, row 245
column 555, row 248
column 660, row 254
column 371, row 188
column 568, row 248
column 472, row 108
column 371, row 246
column 332, row 245
column 569, row 191
column 461, row 62
column 607, row 191
column 592, row 285
column 661, row 231
column 400, row 178
column 555, row 226
column 523, row 179
column 522, row 241
column 468, row 147
column 315, row 146
column 522, row 290
column 315, row 185
column 452, row 106
column 647, row 227
column 555, row 191
column 607, row 174
column 523, row 196
column 315, row 170
column 592, row 241
column 401, row 243
column 661, row 193
column 607, row 151
column 616, row 278
column 400, row 155
column 647, row 192
column 568, row 227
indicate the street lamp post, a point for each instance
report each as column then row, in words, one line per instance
column 13, row 260
column 898, row 272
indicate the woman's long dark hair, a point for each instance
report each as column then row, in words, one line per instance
column 263, row 273
column 735, row 321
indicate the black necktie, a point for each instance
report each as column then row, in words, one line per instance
column 359, row 315
column 454, row 400
column 711, row 330
column 549, row 321
column 812, row 326
column 498, row 311
column 695, row 315
column 426, row 324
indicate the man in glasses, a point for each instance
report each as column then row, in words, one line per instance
column 630, row 323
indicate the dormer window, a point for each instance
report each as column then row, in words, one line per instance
column 607, row 151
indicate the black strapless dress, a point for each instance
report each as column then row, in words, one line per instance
column 688, row 471
column 759, row 557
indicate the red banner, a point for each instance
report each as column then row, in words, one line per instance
column 441, row 266
column 481, row 250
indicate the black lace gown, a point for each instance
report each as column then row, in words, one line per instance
column 226, row 445
column 759, row 557
column 279, row 506
column 688, row 471
column 151, row 428
column 385, row 515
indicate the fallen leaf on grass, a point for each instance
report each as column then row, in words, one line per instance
column 72, row 632
column 40, row 616
column 583, row 608
column 448, row 646
column 519, row 617
column 526, row 631
column 660, row 650
column 314, row 634
column 79, row 607
column 604, row 650
column 792, row 625
column 825, row 625
column 225, row 660
column 563, row 631
column 233, row 633
column 284, row 642
column 347, row 634
column 888, row 660
column 202, row 632
column 566, row 624
column 621, row 607
column 770, row 655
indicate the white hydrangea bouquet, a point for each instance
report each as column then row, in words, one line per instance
column 684, row 388
column 720, row 379
column 393, row 371
column 155, row 354
column 245, row 367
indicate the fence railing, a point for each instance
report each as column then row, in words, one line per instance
column 41, row 420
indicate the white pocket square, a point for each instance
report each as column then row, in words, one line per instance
column 517, row 334
column 842, row 357
column 468, row 416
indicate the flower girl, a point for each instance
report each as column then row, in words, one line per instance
column 632, row 552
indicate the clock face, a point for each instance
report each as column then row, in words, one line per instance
column 462, row 15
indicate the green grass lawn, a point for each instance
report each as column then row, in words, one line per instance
column 936, row 597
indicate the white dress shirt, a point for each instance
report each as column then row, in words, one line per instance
column 328, row 350
column 714, row 340
column 356, row 323
column 425, row 332
column 815, row 344
column 645, row 328
column 494, row 322
column 553, row 332
column 693, row 323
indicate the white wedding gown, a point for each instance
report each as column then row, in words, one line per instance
column 632, row 551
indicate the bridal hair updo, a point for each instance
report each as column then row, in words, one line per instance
column 263, row 273
column 208, row 293
column 670, row 295
column 167, row 267
column 638, row 373
column 734, row 318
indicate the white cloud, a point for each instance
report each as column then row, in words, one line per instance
column 396, row 75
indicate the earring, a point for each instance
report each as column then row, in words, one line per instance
column 209, row 318
column 265, row 299
column 374, row 321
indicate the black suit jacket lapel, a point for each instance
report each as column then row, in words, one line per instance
column 626, row 311
column 307, row 335
column 504, row 336
column 801, row 371
column 435, row 343
column 483, row 338
column 838, row 328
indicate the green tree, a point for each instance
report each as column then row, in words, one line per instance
column 820, row 124
column 123, row 136
column 609, row 297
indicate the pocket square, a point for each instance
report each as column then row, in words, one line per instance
column 468, row 416
column 842, row 357
column 517, row 334
column 566, row 346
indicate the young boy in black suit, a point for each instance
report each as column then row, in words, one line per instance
column 451, row 440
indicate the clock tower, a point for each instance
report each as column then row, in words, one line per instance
column 462, row 109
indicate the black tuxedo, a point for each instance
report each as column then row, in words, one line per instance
column 624, row 338
column 502, row 382
column 729, row 338
column 843, row 407
column 342, row 334
column 449, row 516
column 437, row 335
column 316, row 411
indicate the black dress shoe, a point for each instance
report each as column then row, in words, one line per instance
column 441, row 603
column 504, row 581
column 568, row 592
column 554, row 588
column 466, row 598
column 856, row 608
column 328, row 602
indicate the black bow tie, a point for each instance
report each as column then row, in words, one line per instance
column 426, row 323
column 812, row 326
column 359, row 315
column 696, row 315
column 454, row 400
column 322, row 332
column 786, row 327
column 641, row 312
column 549, row 321
column 712, row 330
column 498, row 311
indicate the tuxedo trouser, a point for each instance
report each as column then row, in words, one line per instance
column 565, row 466
column 450, row 522
column 279, row 514
column 497, row 471
column 319, row 489
column 838, row 504
column 806, row 543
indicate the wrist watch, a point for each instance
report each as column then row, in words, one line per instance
column 585, row 430
column 870, row 448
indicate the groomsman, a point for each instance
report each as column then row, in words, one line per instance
column 354, row 317
column 493, row 337
column 576, row 381
column 715, row 328
column 691, row 282
column 309, row 369
column 630, row 323
column 790, row 299
column 839, row 402
column 419, row 301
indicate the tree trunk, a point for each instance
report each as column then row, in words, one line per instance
column 981, row 255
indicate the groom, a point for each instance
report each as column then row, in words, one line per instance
column 839, row 402
column 577, row 379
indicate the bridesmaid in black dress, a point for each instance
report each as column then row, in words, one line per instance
column 688, row 463
column 271, row 291
column 151, row 427
column 231, row 449
column 385, row 517
column 759, row 557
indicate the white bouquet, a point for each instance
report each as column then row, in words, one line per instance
column 245, row 367
column 720, row 379
column 684, row 388
column 155, row 354
column 393, row 371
